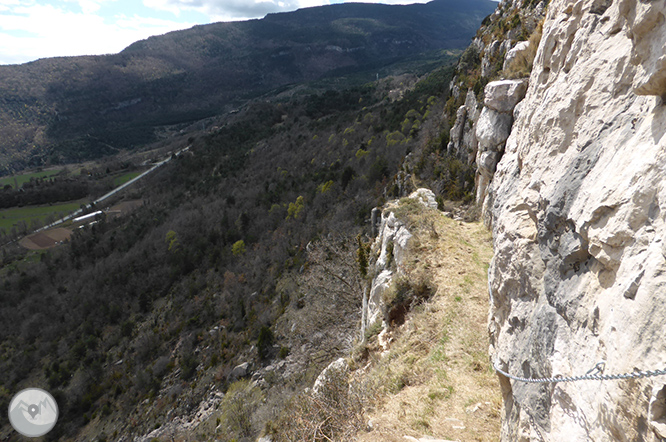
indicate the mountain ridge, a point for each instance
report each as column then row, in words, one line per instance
column 69, row 109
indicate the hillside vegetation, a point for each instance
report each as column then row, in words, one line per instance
column 147, row 312
column 207, row 311
column 60, row 110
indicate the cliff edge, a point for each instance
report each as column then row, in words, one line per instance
column 579, row 268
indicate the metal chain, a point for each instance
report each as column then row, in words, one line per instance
column 595, row 374
column 532, row 422
column 535, row 427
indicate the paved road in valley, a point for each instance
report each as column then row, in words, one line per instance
column 112, row 193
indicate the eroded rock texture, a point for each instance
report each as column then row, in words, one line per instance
column 577, row 208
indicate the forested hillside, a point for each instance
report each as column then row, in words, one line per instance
column 165, row 302
column 62, row 110
column 243, row 270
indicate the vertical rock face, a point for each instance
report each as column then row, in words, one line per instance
column 391, row 249
column 494, row 127
column 464, row 144
column 575, row 204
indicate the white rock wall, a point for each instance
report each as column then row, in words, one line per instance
column 391, row 249
column 493, row 128
column 578, row 208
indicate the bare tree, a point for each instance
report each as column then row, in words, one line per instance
column 332, row 271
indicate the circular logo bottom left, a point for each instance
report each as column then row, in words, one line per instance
column 33, row 412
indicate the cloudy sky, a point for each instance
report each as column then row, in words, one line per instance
column 32, row 29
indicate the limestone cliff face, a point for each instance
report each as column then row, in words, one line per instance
column 390, row 251
column 487, row 88
column 577, row 206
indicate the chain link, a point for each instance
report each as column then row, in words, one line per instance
column 595, row 374
column 536, row 428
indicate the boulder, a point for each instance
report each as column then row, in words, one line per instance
column 503, row 95
column 493, row 129
column 425, row 197
column 487, row 162
column 239, row 372
column 520, row 48
column 335, row 369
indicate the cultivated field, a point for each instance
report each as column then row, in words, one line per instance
column 46, row 240
column 16, row 181
column 35, row 215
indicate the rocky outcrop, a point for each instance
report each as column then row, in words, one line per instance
column 334, row 370
column 645, row 29
column 240, row 371
column 520, row 48
column 390, row 250
column 483, row 123
column 494, row 127
column 177, row 425
column 575, row 205
column 464, row 144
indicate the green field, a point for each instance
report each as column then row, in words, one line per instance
column 24, row 178
column 13, row 216
column 122, row 179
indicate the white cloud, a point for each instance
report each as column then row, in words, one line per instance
column 227, row 10
column 49, row 31
column 89, row 6
column 31, row 29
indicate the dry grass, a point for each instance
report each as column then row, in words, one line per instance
column 334, row 413
column 521, row 66
column 436, row 379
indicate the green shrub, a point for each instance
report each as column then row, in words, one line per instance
column 405, row 293
column 238, row 406
column 265, row 342
column 238, row 248
column 374, row 329
column 294, row 210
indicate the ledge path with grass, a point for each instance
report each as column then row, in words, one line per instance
column 432, row 374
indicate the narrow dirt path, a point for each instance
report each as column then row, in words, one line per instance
column 436, row 379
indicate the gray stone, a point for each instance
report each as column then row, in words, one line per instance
column 577, row 206
column 334, row 369
column 375, row 218
column 425, row 197
column 488, row 162
column 380, row 285
column 239, row 372
column 503, row 95
column 493, row 129
column 520, row 48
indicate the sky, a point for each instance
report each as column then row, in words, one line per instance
column 33, row 29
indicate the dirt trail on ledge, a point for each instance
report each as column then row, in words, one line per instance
column 440, row 381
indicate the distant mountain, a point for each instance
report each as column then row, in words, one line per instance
column 70, row 109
